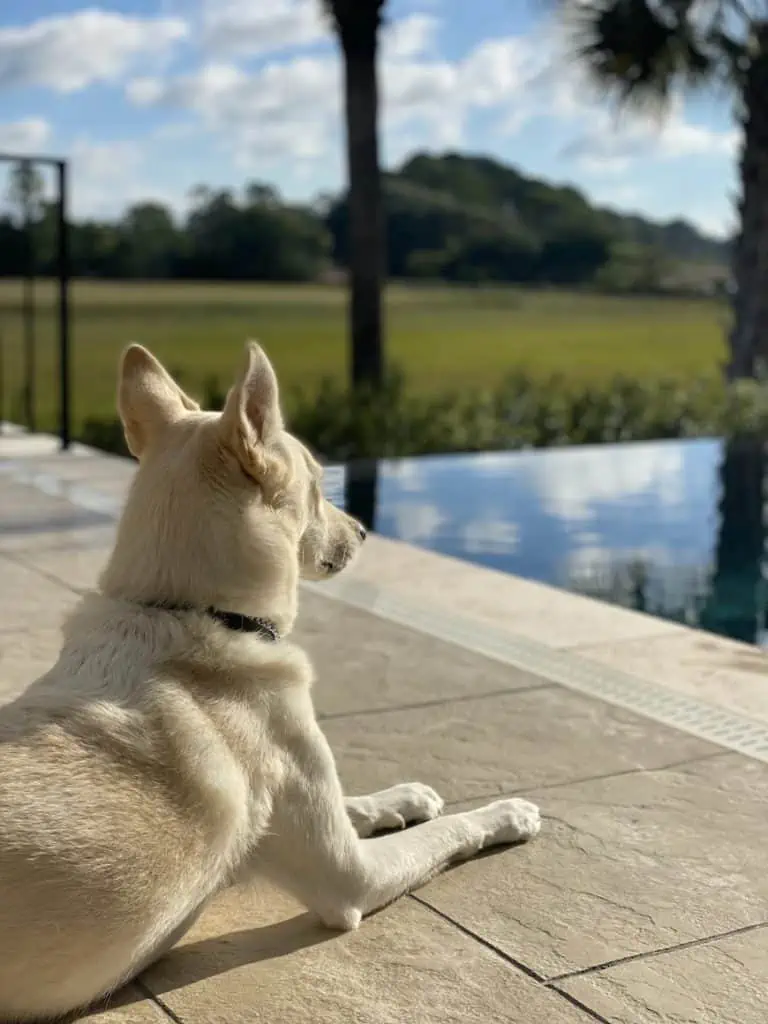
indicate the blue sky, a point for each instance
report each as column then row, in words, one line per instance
column 151, row 98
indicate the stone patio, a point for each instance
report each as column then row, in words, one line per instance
column 645, row 898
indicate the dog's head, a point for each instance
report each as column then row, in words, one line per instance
column 227, row 508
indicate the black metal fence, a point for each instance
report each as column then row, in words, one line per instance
column 60, row 168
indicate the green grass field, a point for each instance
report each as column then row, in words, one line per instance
column 440, row 337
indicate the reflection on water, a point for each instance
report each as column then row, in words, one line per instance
column 673, row 528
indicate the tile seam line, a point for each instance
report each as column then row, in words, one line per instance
column 518, row 965
column 485, row 943
column 545, row 787
column 340, row 716
column 13, row 556
column 158, row 1001
column 579, row 1005
column 652, row 954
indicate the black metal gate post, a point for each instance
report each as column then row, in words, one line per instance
column 28, row 313
column 65, row 411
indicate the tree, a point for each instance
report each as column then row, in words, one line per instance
column 148, row 241
column 257, row 237
column 25, row 191
column 471, row 219
column 574, row 255
column 647, row 52
column 357, row 24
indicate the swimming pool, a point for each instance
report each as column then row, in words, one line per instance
column 674, row 528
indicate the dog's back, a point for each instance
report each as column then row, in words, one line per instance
column 103, row 851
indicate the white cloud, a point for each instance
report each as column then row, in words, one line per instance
column 720, row 223
column 609, row 146
column 429, row 102
column 108, row 176
column 22, row 137
column 284, row 109
column 246, row 27
column 292, row 108
column 572, row 482
column 239, row 27
column 409, row 37
column 102, row 173
column 491, row 535
column 287, row 108
column 493, row 73
column 70, row 52
column 673, row 582
column 408, row 476
column 551, row 86
column 416, row 523
column 419, row 94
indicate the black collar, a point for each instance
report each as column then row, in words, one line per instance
column 231, row 620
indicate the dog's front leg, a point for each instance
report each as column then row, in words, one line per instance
column 397, row 807
column 312, row 849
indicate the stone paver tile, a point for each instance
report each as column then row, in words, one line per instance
column 36, row 544
column 26, row 528
column 623, row 866
column 35, row 548
column 723, row 982
column 93, row 468
column 105, row 496
column 364, row 662
column 474, row 748
column 17, row 446
column 76, row 566
column 256, row 956
column 21, row 498
column 129, row 1006
column 28, row 600
column 713, row 668
column 24, row 656
column 25, row 512
column 523, row 607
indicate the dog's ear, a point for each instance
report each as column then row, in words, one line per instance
column 148, row 398
column 251, row 417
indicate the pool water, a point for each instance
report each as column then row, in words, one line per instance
column 674, row 528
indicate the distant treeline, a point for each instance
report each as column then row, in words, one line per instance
column 452, row 218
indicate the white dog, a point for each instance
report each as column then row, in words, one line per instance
column 173, row 749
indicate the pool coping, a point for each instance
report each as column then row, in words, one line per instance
column 704, row 719
column 407, row 604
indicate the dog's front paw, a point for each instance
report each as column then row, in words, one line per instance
column 410, row 803
column 406, row 804
column 508, row 821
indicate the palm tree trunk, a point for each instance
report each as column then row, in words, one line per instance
column 366, row 217
column 735, row 606
column 749, row 336
column 361, row 487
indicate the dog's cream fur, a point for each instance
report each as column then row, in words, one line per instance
column 165, row 757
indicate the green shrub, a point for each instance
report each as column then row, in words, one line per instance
column 106, row 434
column 519, row 413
